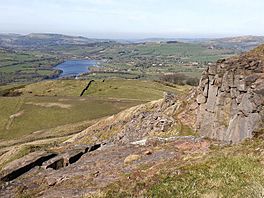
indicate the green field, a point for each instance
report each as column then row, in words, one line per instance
column 49, row 104
column 129, row 61
column 142, row 90
column 187, row 51
column 150, row 60
column 24, row 115
column 20, row 66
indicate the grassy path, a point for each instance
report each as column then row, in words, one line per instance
column 17, row 113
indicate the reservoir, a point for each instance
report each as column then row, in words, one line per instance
column 75, row 67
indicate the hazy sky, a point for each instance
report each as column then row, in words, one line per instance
column 134, row 18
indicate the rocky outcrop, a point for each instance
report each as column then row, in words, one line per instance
column 132, row 124
column 24, row 164
column 231, row 97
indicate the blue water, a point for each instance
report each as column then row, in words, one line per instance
column 75, row 67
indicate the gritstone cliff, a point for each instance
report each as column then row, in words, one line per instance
column 231, row 98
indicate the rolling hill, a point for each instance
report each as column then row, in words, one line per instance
column 40, row 40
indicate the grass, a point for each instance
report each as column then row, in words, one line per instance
column 39, row 113
column 110, row 88
column 45, row 72
column 217, row 177
column 130, row 89
column 153, row 59
column 55, row 88
column 26, row 66
column 231, row 171
column 187, row 51
column 49, row 104
column 8, row 107
column 6, row 89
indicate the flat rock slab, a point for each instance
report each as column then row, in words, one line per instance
column 24, row 164
column 96, row 170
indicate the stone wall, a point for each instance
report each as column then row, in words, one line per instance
column 231, row 98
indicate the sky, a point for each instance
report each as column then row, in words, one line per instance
column 134, row 18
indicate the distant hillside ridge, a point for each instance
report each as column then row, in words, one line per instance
column 241, row 43
column 36, row 39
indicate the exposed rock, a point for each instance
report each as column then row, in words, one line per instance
column 201, row 99
column 169, row 98
column 51, row 181
column 212, row 96
column 69, row 156
column 24, row 164
column 147, row 152
column 234, row 109
column 101, row 168
column 240, row 83
column 246, row 106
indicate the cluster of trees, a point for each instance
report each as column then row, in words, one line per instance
column 179, row 79
column 6, row 78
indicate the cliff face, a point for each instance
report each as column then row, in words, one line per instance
column 231, row 98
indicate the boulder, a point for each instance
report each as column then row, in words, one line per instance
column 201, row 99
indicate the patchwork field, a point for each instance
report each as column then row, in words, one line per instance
column 130, row 61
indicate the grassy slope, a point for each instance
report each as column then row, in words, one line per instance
column 32, row 113
column 110, row 88
column 232, row 171
column 36, row 115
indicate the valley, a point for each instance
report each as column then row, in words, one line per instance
column 32, row 58
column 136, row 124
column 131, row 99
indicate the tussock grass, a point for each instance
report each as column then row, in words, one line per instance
column 233, row 176
column 230, row 171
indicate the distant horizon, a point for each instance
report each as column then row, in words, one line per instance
column 131, row 36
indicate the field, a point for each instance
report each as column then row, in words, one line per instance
column 25, row 66
column 185, row 51
column 129, row 61
column 145, row 61
column 28, row 115
column 50, row 104
column 149, row 60
column 117, row 88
